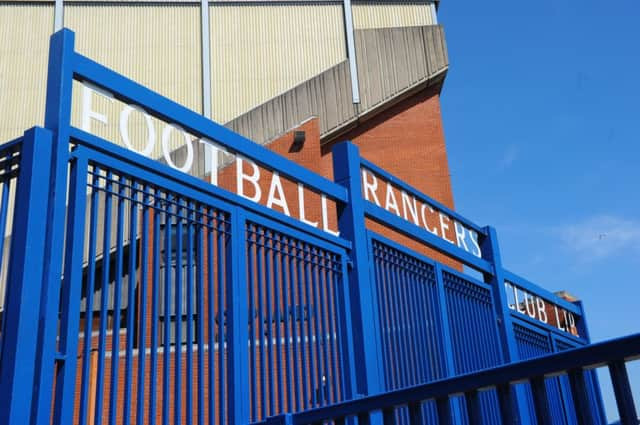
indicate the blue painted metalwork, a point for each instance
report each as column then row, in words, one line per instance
column 501, row 378
column 351, row 221
column 169, row 300
column 19, row 350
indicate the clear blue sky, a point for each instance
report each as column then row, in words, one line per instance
column 541, row 112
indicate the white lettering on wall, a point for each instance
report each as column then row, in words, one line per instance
column 241, row 177
column 88, row 113
column 276, row 194
column 419, row 213
column 537, row 308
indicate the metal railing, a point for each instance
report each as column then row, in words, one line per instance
column 575, row 364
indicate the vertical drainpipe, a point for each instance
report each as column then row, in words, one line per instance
column 351, row 50
column 58, row 20
column 205, row 44
column 434, row 15
column 206, row 58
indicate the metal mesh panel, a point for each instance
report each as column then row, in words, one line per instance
column 9, row 166
column 153, row 342
column 472, row 322
column 473, row 334
column 410, row 319
column 295, row 323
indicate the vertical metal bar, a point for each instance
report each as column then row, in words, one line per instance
column 332, row 306
column 541, row 401
column 351, row 50
column 313, row 282
column 166, row 319
column 132, row 272
column 6, row 183
column 260, row 242
column 295, row 319
column 212, row 231
column 19, row 345
column 389, row 416
column 622, row 391
column 344, row 324
column 443, row 406
column 301, row 332
column 306, row 258
column 473, row 407
column 252, row 240
column 321, row 301
column 177, row 374
column 383, row 311
column 57, row 119
column 448, row 351
column 190, row 219
column 491, row 252
column 117, row 299
column 287, row 282
column 104, row 297
column 142, row 315
column 91, row 282
column 364, row 419
column 508, row 413
column 225, row 274
column 351, row 222
column 205, row 39
column 415, row 414
column 155, row 200
column 268, row 300
column 238, row 382
column 394, row 367
column 581, row 403
column 502, row 314
column 200, row 311
column 278, row 282
column 71, row 293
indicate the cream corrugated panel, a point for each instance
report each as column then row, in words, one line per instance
column 156, row 45
column 388, row 15
column 24, row 49
column 261, row 50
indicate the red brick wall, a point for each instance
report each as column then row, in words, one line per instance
column 407, row 140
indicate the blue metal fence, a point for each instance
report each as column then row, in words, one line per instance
column 9, row 171
column 155, row 297
column 573, row 365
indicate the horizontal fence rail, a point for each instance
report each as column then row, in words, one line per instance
column 574, row 364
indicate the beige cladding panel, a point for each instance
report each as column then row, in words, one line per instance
column 157, row 46
column 24, row 47
column 371, row 14
column 259, row 51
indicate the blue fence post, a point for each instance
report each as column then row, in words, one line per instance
column 447, row 346
column 597, row 406
column 24, row 279
column 491, row 252
column 238, row 337
column 57, row 119
column 351, row 223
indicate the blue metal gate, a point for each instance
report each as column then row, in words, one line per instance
column 139, row 294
